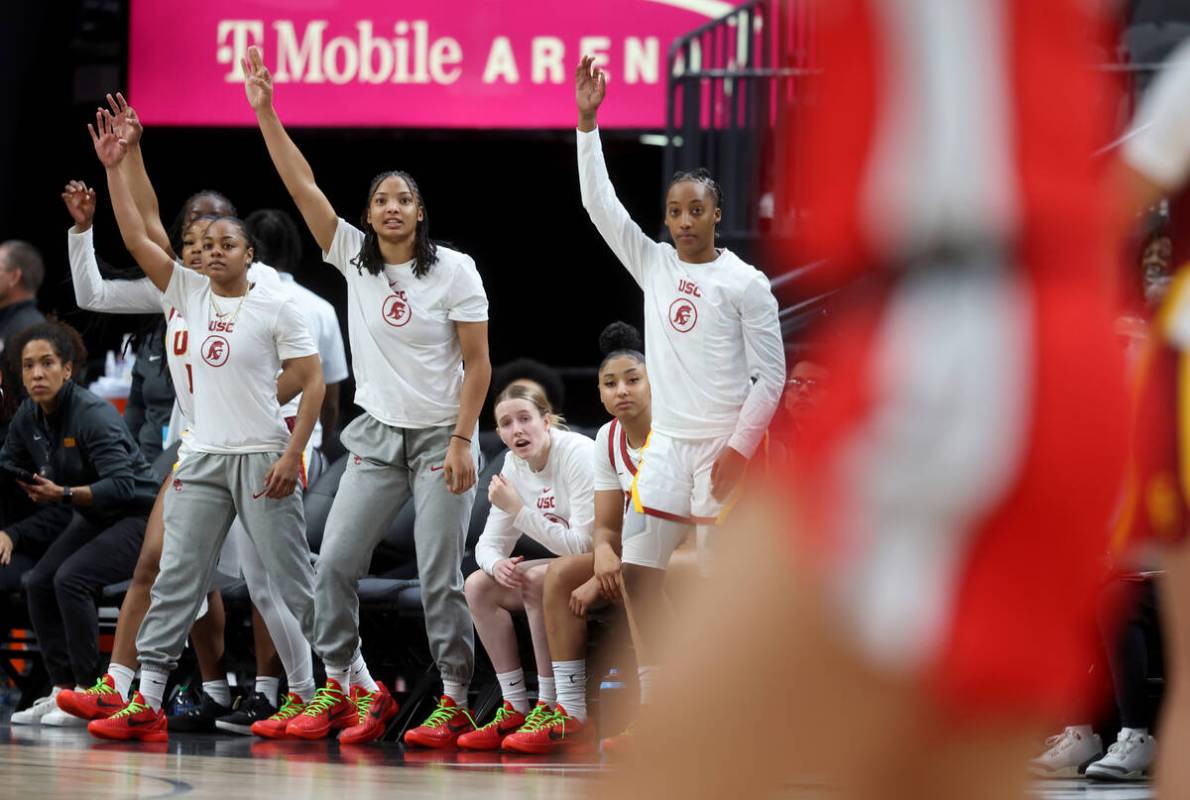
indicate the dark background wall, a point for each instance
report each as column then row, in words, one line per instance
column 509, row 199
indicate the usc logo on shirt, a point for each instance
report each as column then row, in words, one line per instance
column 396, row 311
column 683, row 315
column 216, row 350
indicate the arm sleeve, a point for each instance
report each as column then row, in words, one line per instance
column 765, row 355
column 291, row 334
column 606, row 478
column 104, row 434
column 42, row 526
column 499, row 535
column 344, row 247
column 1159, row 146
column 623, row 236
column 469, row 301
column 559, row 537
column 95, row 293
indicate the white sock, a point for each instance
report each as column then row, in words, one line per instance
column 220, row 691
column 571, row 680
column 546, row 692
column 303, row 689
column 269, row 688
column 338, row 675
column 647, row 677
column 456, row 692
column 152, row 686
column 123, row 676
column 512, row 687
column 359, row 675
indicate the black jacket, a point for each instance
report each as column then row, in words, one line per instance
column 83, row 443
column 16, row 318
column 151, row 398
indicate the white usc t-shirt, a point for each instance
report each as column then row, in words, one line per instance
column 559, row 502
column 616, row 462
column 404, row 347
column 234, row 365
column 712, row 336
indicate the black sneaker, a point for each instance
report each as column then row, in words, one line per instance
column 248, row 709
column 200, row 718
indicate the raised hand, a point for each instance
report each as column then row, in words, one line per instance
column 110, row 148
column 590, row 87
column 128, row 125
column 258, row 82
column 80, row 203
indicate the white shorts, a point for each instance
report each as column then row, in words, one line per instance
column 673, row 481
column 651, row 541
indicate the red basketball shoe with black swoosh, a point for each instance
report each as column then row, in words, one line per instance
column 134, row 721
column 550, row 733
column 331, row 709
column 443, row 727
column 489, row 737
column 274, row 727
column 99, row 702
column 375, row 709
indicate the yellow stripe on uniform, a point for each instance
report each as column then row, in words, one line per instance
column 636, row 503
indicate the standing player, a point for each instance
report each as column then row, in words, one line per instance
column 931, row 607
column 576, row 584
column 245, row 460
column 715, row 360
column 544, row 492
column 417, row 313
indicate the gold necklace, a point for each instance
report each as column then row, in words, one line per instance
column 236, row 312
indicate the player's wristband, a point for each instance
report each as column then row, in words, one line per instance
column 464, row 438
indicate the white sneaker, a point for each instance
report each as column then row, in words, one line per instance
column 34, row 713
column 1069, row 753
column 60, row 719
column 1128, row 759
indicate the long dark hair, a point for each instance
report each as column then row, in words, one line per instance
column 277, row 240
column 425, row 250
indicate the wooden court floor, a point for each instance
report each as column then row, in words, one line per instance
column 50, row 763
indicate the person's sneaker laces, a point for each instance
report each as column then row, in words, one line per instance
column 98, row 702
column 375, row 710
column 443, row 727
column 1067, row 754
column 1128, row 759
column 489, row 737
column 274, row 726
column 246, row 711
column 552, row 731
column 135, row 721
column 330, row 709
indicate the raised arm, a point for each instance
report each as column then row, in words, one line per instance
column 91, row 290
column 626, row 239
column 111, row 149
column 128, row 127
column 291, row 165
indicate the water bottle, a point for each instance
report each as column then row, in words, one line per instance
column 616, row 703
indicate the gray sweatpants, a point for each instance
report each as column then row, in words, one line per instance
column 386, row 466
column 207, row 492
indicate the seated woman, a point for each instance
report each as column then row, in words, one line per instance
column 71, row 454
column 544, row 491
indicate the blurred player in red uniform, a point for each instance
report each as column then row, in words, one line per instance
column 926, row 606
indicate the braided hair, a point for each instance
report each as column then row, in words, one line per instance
column 425, row 250
column 700, row 175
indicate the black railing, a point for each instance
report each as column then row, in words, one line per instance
column 729, row 81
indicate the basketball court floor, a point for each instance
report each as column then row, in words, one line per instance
column 50, row 763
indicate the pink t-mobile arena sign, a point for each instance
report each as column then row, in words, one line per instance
column 417, row 63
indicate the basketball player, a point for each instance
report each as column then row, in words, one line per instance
column 576, row 584
column 416, row 313
column 244, row 458
column 927, row 610
column 715, row 360
column 544, row 492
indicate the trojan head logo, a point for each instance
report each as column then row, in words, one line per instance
column 396, row 311
column 177, row 485
column 683, row 314
column 215, row 350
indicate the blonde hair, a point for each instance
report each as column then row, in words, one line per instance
column 535, row 397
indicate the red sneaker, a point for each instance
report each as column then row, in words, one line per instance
column 489, row 737
column 274, row 726
column 330, row 709
column 134, row 721
column 375, row 710
column 99, row 702
column 550, row 733
column 618, row 745
column 443, row 727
